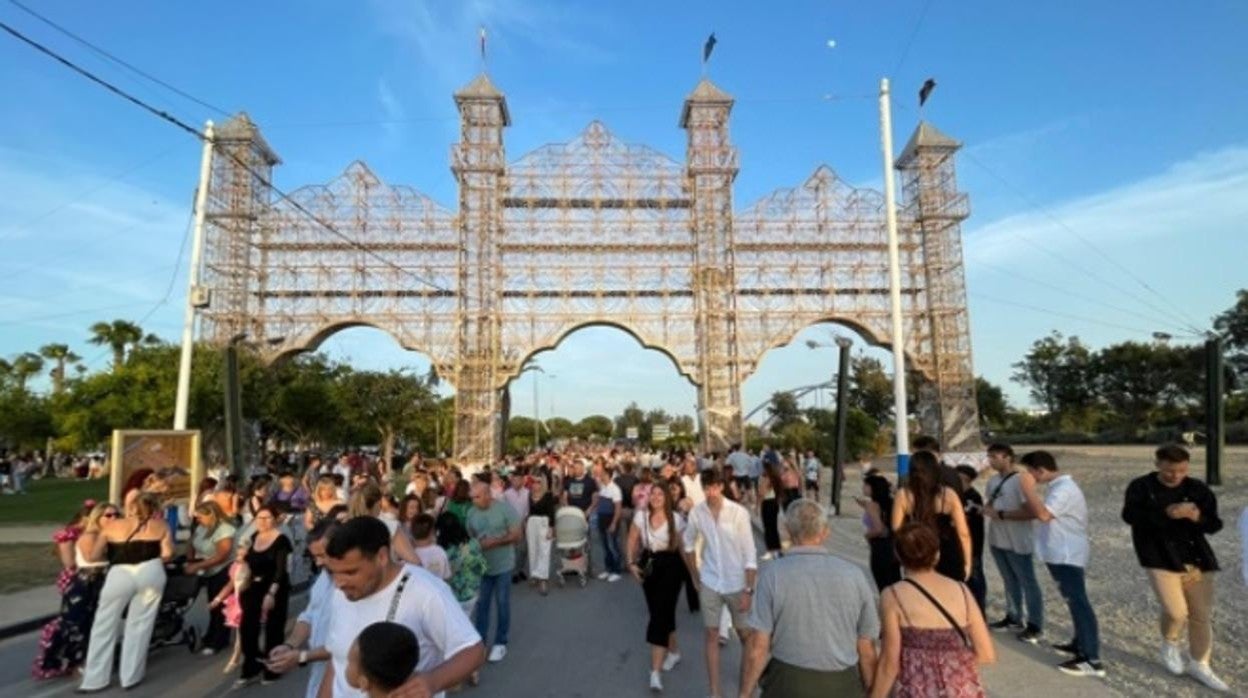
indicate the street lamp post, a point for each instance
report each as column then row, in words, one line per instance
column 234, row 403
column 537, row 417
column 843, row 345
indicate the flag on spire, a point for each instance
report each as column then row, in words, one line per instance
column 708, row 47
column 482, row 43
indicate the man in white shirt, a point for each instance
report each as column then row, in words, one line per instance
column 1062, row 544
column 725, row 577
column 689, row 477
column 371, row 588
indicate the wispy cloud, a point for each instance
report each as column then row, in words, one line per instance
column 393, row 110
column 443, row 36
column 1204, row 195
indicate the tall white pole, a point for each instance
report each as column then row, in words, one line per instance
column 192, row 283
column 901, row 425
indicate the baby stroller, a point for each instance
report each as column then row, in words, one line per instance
column 171, row 627
column 572, row 543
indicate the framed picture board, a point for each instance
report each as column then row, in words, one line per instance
column 170, row 453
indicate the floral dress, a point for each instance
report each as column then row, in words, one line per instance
column 467, row 567
column 936, row 664
column 63, row 641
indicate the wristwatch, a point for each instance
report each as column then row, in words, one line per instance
column 749, row 591
column 303, row 657
column 1001, row 514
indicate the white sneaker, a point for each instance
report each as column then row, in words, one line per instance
column 656, row 683
column 497, row 652
column 603, row 575
column 1171, row 658
column 671, row 660
column 1202, row 673
column 613, row 577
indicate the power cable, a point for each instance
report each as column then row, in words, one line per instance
column 178, row 123
column 918, row 23
column 1073, row 294
column 110, row 181
column 1068, row 316
column 119, row 61
column 1106, row 256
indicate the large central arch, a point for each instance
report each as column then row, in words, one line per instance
column 592, row 231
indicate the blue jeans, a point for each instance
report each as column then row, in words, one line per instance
column 1070, row 581
column 1020, row 586
column 494, row 586
column 977, row 583
column 610, row 545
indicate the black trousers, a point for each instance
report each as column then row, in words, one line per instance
column 662, row 590
column 217, row 636
column 771, row 524
column 273, row 627
column 691, row 592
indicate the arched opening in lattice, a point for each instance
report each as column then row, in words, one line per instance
column 599, row 368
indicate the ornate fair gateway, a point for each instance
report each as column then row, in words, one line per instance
column 594, row 231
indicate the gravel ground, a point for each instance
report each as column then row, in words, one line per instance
column 1124, row 602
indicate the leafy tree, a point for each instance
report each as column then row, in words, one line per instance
column 595, row 426
column 798, row 435
column 993, row 408
column 1058, row 372
column 560, row 428
column 683, row 425
column 871, row 389
column 633, row 416
column 24, row 366
column 118, row 335
column 63, row 357
column 25, row 419
column 783, row 411
column 388, row 404
column 1233, row 325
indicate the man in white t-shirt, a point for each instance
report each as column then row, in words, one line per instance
column 689, row 478
column 1062, row 544
column 610, row 508
column 370, row 588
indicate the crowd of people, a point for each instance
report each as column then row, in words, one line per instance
column 414, row 565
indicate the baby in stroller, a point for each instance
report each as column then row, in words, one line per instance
column 572, row 542
column 179, row 595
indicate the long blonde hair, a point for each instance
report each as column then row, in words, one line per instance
column 92, row 523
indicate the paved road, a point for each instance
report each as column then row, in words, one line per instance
column 574, row 642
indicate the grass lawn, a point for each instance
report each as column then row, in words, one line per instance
column 49, row 501
column 26, row 565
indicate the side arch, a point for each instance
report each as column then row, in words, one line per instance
column 312, row 340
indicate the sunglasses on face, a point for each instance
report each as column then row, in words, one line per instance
column 109, row 515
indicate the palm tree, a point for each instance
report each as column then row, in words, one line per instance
column 6, row 371
column 118, row 335
column 63, row 357
column 25, row 366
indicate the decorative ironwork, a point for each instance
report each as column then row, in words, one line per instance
column 593, row 231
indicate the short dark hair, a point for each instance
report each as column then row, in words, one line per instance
column 711, row 476
column 422, row 526
column 323, row 528
column 923, row 442
column 451, row 531
column 363, row 533
column 967, row 470
column 388, row 654
column 917, row 546
column 1040, row 460
column 1002, row 448
column 1173, row 453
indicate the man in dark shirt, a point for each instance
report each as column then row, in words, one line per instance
column 973, row 505
column 580, row 490
column 1170, row 514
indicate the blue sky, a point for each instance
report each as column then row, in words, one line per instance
column 1105, row 147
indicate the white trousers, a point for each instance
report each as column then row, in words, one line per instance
column 539, row 546
column 137, row 587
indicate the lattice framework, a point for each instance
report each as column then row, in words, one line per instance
column 592, row 231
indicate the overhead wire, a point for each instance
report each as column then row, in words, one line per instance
column 1057, row 313
column 914, row 32
column 178, row 123
column 119, row 61
column 1176, row 316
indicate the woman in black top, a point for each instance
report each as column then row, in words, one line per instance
column 265, row 600
column 539, row 531
column 926, row 500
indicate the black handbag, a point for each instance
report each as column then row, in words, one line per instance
column 645, row 562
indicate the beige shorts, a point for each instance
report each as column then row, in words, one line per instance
column 713, row 604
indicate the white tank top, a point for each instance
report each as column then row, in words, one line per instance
column 81, row 561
